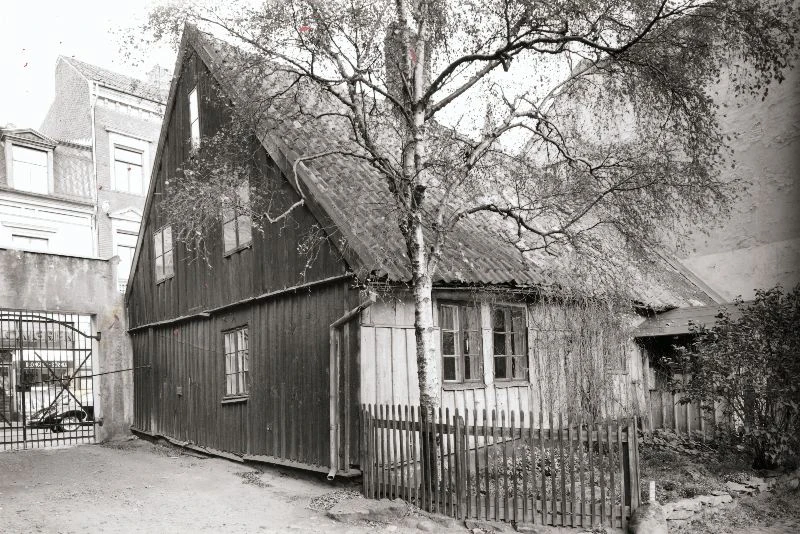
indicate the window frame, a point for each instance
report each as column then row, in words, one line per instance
column 508, row 335
column 239, row 395
column 14, row 175
column 115, row 179
column 194, row 141
column 236, row 225
column 161, row 256
column 458, row 346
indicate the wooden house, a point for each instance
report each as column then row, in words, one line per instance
column 245, row 356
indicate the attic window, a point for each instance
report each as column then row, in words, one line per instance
column 162, row 253
column 30, row 169
column 194, row 119
column 237, row 231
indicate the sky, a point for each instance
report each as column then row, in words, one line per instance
column 34, row 33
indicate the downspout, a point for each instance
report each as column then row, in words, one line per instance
column 334, row 381
column 95, row 195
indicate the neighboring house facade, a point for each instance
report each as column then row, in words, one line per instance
column 70, row 201
column 265, row 353
column 118, row 118
column 758, row 245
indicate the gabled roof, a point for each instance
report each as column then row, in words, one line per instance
column 350, row 195
column 28, row 134
column 120, row 82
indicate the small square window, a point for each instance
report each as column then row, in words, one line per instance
column 162, row 253
column 237, row 362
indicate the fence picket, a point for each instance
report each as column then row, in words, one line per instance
column 552, row 444
column 448, row 479
column 524, row 470
column 571, row 453
column 494, row 467
column 439, row 479
column 534, row 488
column 486, row 463
column 504, row 447
column 477, row 467
column 563, row 468
column 541, row 463
column 611, row 462
column 623, row 522
column 513, row 466
column 590, row 454
column 601, row 465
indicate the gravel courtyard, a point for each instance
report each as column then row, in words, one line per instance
column 138, row 486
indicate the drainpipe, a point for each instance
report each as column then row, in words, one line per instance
column 334, row 381
column 95, row 195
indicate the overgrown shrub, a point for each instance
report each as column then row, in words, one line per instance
column 752, row 365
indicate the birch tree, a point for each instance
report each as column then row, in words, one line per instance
column 588, row 128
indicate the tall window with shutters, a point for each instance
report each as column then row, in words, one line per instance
column 237, row 364
column 462, row 360
column 508, row 339
column 163, row 254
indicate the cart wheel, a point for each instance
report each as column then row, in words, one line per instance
column 70, row 423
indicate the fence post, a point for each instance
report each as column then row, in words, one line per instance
column 626, row 467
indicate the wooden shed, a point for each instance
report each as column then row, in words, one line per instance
column 266, row 354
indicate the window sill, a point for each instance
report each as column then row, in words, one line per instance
column 456, row 386
column 234, row 400
column 237, row 249
column 501, row 383
column 162, row 280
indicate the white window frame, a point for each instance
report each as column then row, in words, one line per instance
column 194, row 118
column 116, row 139
column 30, row 236
column 10, row 143
column 509, row 358
column 459, row 345
column 236, row 356
column 159, row 235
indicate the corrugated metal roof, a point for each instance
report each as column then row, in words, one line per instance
column 119, row 81
column 680, row 320
column 355, row 196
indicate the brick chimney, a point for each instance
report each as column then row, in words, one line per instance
column 159, row 76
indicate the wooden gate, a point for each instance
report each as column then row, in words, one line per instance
column 502, row 468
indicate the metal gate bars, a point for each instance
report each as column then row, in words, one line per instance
column 46, row 383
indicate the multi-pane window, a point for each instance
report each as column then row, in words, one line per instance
column 30, row 169
column 237, row 231
column 163, row 254
column 128, row 170
column 194, row 119
column 236, row 362
column 461, row 343
column 126, row 247
column 508, row 340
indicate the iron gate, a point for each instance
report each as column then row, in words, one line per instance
column 46, row 382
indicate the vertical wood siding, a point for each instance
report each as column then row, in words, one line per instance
column 273, row 262
column 286, row 413
column 388, row 371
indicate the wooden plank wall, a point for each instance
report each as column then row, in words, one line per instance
column 287, row 413
column 274, row 261
column 388, row 372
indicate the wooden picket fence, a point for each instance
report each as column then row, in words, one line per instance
column 557, row 472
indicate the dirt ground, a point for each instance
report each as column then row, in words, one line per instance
column 138, row 486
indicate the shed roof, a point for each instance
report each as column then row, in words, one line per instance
column 121, row 82
column 681, row 320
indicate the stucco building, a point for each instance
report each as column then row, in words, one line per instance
column 758, row 245
column 71, row 196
